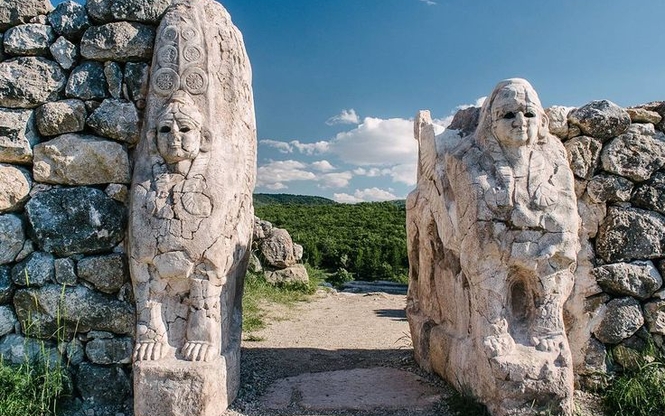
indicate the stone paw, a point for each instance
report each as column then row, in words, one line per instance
column 198, row 351
column 496, row 345
column 149, row 351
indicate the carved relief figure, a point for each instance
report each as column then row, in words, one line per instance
column 492, row 230
column 191, row 213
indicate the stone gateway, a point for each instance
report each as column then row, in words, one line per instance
column 191, row 214
column 493, row 240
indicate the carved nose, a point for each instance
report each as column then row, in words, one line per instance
column 519, row 120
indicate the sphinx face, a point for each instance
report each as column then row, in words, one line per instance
column 178, row 138
column 515, row 118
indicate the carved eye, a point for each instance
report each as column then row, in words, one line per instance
column 165, row 129
column 185, row 129
column 529, row 114
column 509, row 115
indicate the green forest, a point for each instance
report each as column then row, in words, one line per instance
column 365, row 241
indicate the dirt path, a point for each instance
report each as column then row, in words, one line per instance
column 341, row 354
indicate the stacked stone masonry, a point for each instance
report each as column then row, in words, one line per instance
column 73, row 85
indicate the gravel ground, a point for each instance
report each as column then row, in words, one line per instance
column 338, row 331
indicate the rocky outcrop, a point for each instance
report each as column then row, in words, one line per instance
column 276, row 255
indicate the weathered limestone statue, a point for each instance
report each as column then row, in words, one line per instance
column 191, row 214
column 492, row 239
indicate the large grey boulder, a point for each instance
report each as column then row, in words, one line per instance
column 12, row 237
column 103, row 385
column 636, row 154
column 630, row 234
column 583, row 155
column 292, row 274
column 69, row 19
column 36, row 270
column 64, row 52
column 18, row 135
column 75, row 159
column 600, row 119
column 110, row 351
column 106, row 273
column 622, row 319
column 277, row 249
column 148, row 11
column 15, row 183
column 87, row 82
column 639, row 279
column 27, row 82
column 76, row 220
column 606, row 187
column 71, row 310
column 29, row 39
column 651, row 194
column 117, row 120
column 60, row 117
column 13, row 12
column 118, row 41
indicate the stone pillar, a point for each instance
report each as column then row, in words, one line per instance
column 191, row 214
column 493, row 239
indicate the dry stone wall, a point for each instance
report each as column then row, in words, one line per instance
column 73, row 86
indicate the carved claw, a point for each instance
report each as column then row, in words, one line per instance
column 149, row 351
column 548, row 343
column 198, row 351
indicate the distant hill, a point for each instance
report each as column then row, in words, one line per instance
column 289, row 199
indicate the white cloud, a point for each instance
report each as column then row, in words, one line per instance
column 377, row 142
column 304, row 148
column 345, row 117
column 335, row 180
column 429, row 2
column 365, row 195
column 323, row 166
column 274, row 174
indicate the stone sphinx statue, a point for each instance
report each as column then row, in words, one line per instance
column 191, row 214
column 492, row 240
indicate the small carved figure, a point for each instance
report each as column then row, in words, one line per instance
column 492, row 229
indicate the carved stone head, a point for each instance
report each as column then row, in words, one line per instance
column 180, row 133
column 512, row 116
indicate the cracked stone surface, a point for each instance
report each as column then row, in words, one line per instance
column 492, row 242
column 191, row 212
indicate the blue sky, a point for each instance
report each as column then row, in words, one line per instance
column 336, row 82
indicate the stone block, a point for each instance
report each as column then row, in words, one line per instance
column 118, row 41
column 64, row 52
column 14, row 12
column 630, row 234
column 18, row 135
column 622, row 319
column 636, row 154
column 28, row 82
column 106, row 273
column 60, row 117
column 15, row 184
column 110, row 351
column 117, row 120
column 29, row 39
column 69, row 19
column 75, row 159
column 638, row 279
column 36, row 270
column 87, row 82
column 601, row 119
column 76, row 220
